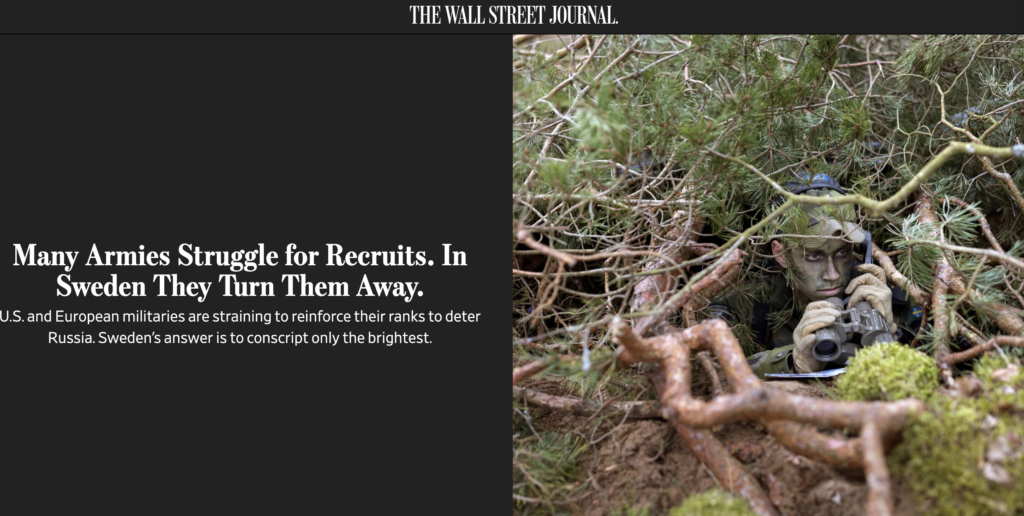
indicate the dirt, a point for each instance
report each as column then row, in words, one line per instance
column 637, row 464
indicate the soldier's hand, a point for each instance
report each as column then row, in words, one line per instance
column 818, row 315
column 871, row 287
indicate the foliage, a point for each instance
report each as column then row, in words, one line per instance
column 888, row 371
column 865, row 109
column 544, row 466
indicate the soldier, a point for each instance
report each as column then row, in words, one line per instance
column 815, row 255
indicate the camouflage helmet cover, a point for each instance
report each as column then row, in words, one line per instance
column 811, row 225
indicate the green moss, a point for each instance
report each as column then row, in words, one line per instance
column 1008, row 388
column 888, row 371
column 943, row 455
column 714, row 502
column 946, row 449
column 631, row 510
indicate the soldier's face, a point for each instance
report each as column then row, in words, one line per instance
column 823, row 272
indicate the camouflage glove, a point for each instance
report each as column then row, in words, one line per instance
column 818, row 315
column 871, row 287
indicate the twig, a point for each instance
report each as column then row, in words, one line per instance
column 709, row 369
column 985, row 161
column 519, row 39
column 890, row 270
column 630, row 409
column 562, row 331
column 562, row 52
column 865, row 63
column 977, row 351
column 725, row 468
column 525, row 237
column 543, row 152
column 1004, row 258
column 806, row 441
column 523, row 372
column 685, row 229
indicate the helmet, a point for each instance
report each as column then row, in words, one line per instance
column 814, row 182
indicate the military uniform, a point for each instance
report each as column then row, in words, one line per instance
column 778, row 357
column 816, row 225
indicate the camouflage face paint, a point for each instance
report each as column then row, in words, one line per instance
column 822, row 272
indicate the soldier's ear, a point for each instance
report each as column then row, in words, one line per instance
column 778, row 251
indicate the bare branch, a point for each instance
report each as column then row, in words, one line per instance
column 629, row 410
column 991, row 344
column 890, row 270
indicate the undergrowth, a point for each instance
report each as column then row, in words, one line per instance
column 545, row 469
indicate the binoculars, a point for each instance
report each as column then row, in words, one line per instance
column 836, row 343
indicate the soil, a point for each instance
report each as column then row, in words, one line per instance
column 643, row 463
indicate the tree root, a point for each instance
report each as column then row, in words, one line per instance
column 709, row 451
column 807, row 441
column 875, row 470
column 725, row 468
column 879, row 423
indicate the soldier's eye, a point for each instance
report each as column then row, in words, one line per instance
column 842, row 253
column 814, row 257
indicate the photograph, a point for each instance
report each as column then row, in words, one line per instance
column 769, row 274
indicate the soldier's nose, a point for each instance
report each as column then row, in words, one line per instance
column 831, row 274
